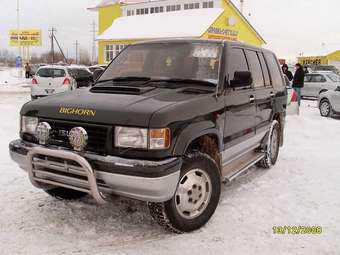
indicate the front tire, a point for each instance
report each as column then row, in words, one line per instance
column 272, row 147
column 65, row 194
column 325, row 108
column 196, row 197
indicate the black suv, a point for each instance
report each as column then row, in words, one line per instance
column 166, row 123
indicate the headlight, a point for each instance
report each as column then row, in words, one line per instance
column 131, row 137
column 140, row 138
column 29, row 124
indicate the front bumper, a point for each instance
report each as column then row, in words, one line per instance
column 152, row 181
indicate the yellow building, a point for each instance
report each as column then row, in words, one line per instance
column 332, row 58
column 122, row 23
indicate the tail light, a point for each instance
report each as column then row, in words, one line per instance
column 294, row 96
column 34, row 81
column 67, row 81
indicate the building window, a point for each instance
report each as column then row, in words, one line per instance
column 191, row 6
column 172, row 8
column 112, row 50
column 209, row 4
column 161, row 9
column 178, row 7
column 138, row 12
column 152, row 10
column 168, row 8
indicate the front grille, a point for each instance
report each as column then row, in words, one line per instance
column 97, row 134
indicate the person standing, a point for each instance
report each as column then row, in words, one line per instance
column 298, row 81
column 286, row 71
column 27, row 70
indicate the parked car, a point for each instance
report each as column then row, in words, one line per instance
column 329, row 68
column 97, row 67
column 51, row 80
column 329, row 102
column 82, row 75
column 166, row 123
column 318, row 82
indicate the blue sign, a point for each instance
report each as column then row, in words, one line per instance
column 18, row 61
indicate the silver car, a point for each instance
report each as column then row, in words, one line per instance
column 329, row 102
column 319, row 82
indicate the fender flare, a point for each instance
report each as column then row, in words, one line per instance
column 194, row 131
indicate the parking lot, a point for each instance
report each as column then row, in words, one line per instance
column 302, row 189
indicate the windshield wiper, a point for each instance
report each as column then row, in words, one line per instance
column 186, row 81
column 126, row 78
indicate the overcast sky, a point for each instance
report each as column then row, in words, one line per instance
column 289, row 27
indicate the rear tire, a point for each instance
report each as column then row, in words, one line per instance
column 325, row 108
column 65, row 194
column 195, row 199
column 272, row 147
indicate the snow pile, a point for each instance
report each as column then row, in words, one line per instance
column 302, row 189
column 10, row 82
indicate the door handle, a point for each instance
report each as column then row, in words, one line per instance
column 272, row 94
column 251, row 99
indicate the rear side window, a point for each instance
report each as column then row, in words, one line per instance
column 255, row 68
column 264, row 70
column 274, row 68
column 318, row 78
column 237, row 62
column 334, row 78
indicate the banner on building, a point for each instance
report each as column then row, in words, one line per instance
column 25, row 37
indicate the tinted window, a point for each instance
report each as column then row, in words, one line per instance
column 45, row 72
column 265, row 70
column 274, row 69
column 255, row 68
column 318, row 78
column 237, row 62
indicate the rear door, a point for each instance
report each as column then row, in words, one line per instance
column 314, row 86
column 239, row 130
column 264, row 92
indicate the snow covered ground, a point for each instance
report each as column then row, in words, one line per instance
column 11, row 81
column 302, row 189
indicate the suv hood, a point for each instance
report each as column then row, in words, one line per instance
column 107, row 108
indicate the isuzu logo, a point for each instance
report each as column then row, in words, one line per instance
column 42, row 132
column 78, row 138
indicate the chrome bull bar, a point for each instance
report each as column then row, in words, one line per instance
column 89, row 173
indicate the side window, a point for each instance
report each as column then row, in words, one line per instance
column 237, row 62
column 255, row 68
column 274, row 69
column 265, row 70
column 308, row 78
column 318, row 78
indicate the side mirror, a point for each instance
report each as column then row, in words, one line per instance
column 97, row 73
column 241, row 79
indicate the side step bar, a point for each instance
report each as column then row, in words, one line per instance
column 236, row 168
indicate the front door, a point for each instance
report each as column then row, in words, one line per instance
column 239, row 129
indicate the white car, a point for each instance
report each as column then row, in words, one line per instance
column 318, row 82
column 329, row 102
column 50, row 80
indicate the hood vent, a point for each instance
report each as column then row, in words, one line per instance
column 195, row 91
column 121, row 90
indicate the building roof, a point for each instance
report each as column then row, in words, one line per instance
column 187, row 23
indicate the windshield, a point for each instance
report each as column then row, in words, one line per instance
column 51, row 73
column 197, row 61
